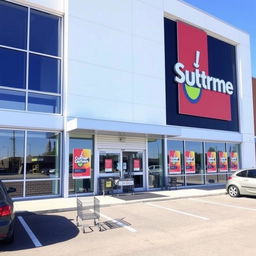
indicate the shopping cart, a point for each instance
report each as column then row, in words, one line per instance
column 88, row 208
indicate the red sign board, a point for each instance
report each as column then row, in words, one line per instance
column 223, row 161
column 108, row 165
column 174, row 162
column 199, row 98
column 190, row 162
column 211, row 162
column 234, row 161
column 136, row 164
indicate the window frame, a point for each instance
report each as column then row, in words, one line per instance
column 27, row 51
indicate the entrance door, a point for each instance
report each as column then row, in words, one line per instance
column 133, row 167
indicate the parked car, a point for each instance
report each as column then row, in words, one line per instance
column 242, row 182
column 7, row 215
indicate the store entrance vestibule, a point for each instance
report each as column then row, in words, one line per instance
column 123, row 164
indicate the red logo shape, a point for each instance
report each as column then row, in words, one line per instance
column 192, row 51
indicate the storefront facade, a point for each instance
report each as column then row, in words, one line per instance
column 111, row 89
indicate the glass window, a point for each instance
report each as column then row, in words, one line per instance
column 233, row 156
column 194, row 163
column 212, row 156
column 175, row 158
column 13, row 68
column 155, row 163
column 109, row 162
column 252, row 173
column 44, row 33
column 44, row 74
column 13, row 25
column 41, row 188
column 43, row 103
column 19, row 188
column 242, row 174
column 11, row 154
column 10, row 99
column 43, row 156
column 80, row 185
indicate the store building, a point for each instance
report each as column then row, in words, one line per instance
column 134, row 88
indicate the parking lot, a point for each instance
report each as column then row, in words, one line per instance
column 214, row 225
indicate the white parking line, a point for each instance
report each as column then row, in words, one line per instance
column 120, row 224
column 177, row 211
column 221, row 204
column 29, row 231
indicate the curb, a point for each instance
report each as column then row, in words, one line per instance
column 167, row 198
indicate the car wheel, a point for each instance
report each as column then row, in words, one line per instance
column 233, row 191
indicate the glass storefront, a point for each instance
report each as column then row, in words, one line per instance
column 155, row 163
column 194, row 163
column 81, row 184
column 175, row 158
column 198, row 163
column 37, row 174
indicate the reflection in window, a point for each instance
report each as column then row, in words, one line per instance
column 80, row 185
column 42, row 155
column 13, row 68
column 10, row 99
column 13, row 25
column 44, row 33
column 44, row 74
column 109, row 162
column 194, row 163
column 44, row 187
column 11, row 154
column 43, row 103
column 155, row 163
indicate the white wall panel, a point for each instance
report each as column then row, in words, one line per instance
column 97, row 44
column 149, row 58
column 51, row 5
column 93, row 108
column 123, row 142
column 99, row 82
column 148, row 21
column 114, row 14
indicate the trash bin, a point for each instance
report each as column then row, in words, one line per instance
column 106, row 185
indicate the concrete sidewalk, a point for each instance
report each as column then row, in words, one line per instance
column 65, row 204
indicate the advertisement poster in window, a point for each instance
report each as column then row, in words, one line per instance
column 81, row 163
column 136, row 165
column 174, row 162
column 108, row 165
column 190, row 162
column 223, row 161
column 211, row 162
column 234, row 161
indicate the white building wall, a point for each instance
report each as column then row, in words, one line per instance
column 116, row 61
column 116, row 64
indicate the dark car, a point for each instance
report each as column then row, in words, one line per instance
column 7, row 215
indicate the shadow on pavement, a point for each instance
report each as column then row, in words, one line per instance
column 48, row 229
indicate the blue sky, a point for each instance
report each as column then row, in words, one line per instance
column 239, row 13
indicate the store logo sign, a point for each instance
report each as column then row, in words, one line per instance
column 200, row 94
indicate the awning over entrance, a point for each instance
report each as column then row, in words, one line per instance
column 79, row 124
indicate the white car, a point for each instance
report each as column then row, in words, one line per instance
column 242, row 182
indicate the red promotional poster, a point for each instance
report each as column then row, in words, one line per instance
column 136, row 165
column 190, row 162
column 81, row 163
column 198, row 91
column 211, row 162
column 174, row 162
column 234, row 161
column 108, row 165
column 223, row 161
